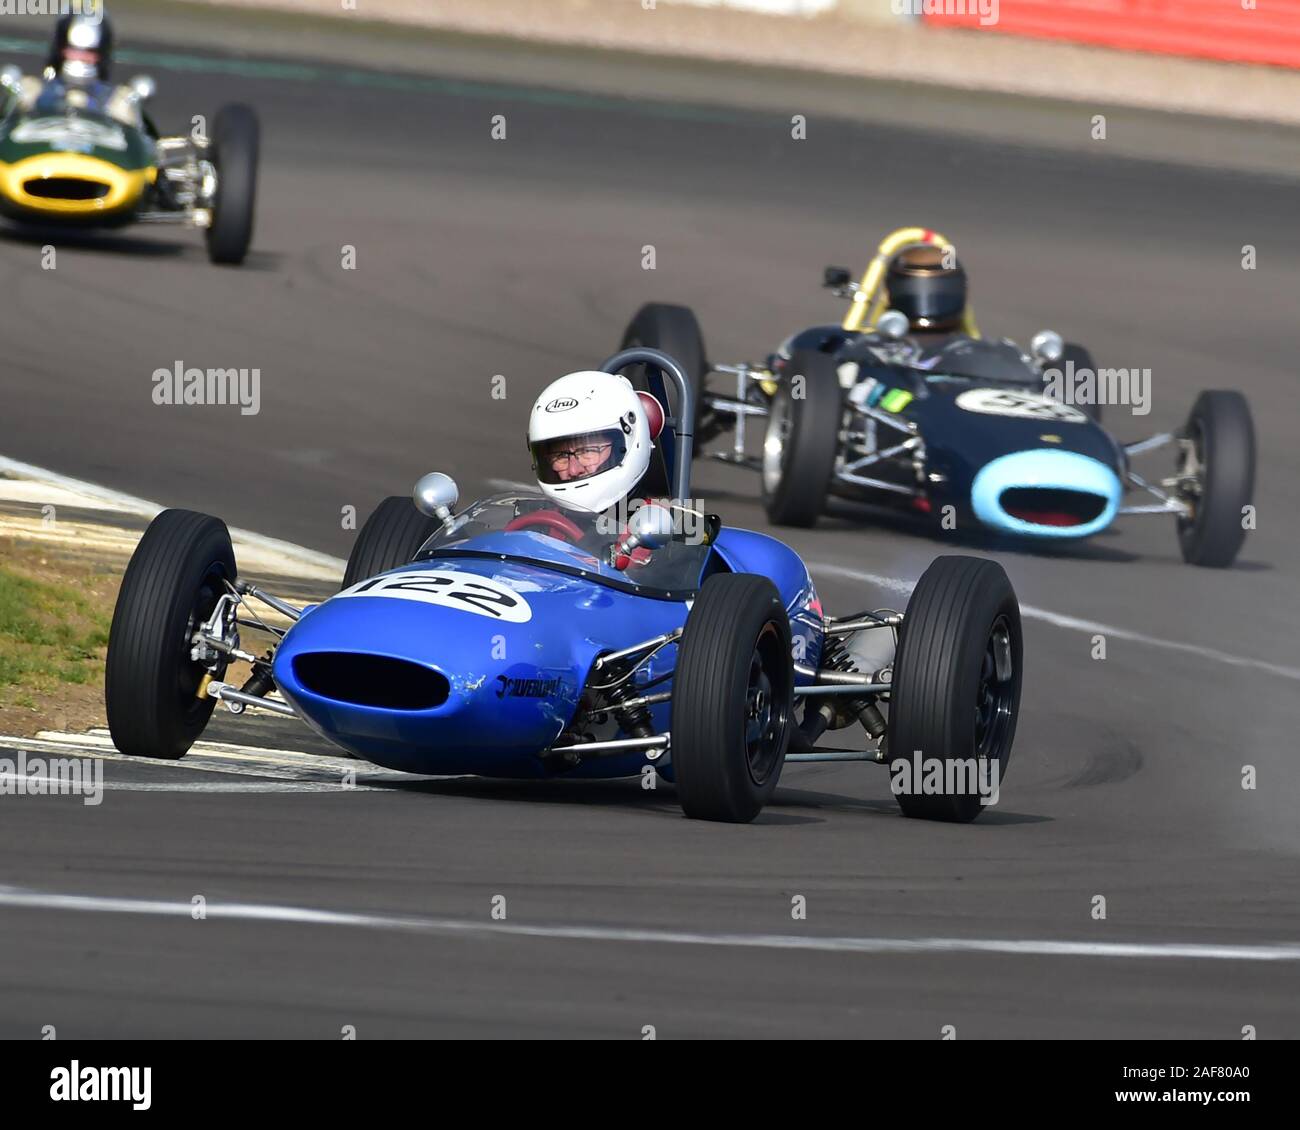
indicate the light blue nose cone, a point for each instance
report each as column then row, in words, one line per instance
column 1055, row 494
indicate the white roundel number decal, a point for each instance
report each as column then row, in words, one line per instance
column 465, row 591
column 1023, row 405
column 77, row 135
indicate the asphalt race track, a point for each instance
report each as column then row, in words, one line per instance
column 523, row 258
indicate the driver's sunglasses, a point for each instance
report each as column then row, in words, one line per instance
column 588, row 456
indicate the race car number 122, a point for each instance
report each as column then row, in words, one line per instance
column 465, row 591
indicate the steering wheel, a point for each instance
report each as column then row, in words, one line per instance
column 550, row 522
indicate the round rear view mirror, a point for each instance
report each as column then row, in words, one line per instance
column 892, row 324
column 651, row 526
column 143, row 87
column 436, row 495
column 1047, row 346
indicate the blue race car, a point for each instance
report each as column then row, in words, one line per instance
column 506, row 640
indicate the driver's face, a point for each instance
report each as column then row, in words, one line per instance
column 577, row 457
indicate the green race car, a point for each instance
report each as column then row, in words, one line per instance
column 90, row 156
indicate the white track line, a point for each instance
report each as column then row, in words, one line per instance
column 195, row 761
column 308, row 916
column 282, row 786
column 1074, row 623
column 98, row 740
column 237, row 760
column 130, row 504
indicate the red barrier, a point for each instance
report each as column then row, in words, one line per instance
column 1246, row 31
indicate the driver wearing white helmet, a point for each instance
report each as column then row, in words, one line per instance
column 591, row 436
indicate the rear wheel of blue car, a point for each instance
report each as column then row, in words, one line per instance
column 1216, row 478
column 234, row 153
column 391, row 537
column 802, row 439
column 733, row 690
column 956, row 690
column 171, row 586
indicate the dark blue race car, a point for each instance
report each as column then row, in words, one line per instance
column 973, row 432
column 509, row 640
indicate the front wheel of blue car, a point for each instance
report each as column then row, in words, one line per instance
column 733, row 690
column 956, row 690
column 152, row 683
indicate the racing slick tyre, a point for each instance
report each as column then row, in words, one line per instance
column 732, row 704
column 233, row 150
column 1219, row 463
column 956, row 689
column 802, row 440
column 1082, row 360
column 172, row 583
column 391, row 537
column 676, row 331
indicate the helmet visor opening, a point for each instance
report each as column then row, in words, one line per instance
column 929, row 299
column 570, row 459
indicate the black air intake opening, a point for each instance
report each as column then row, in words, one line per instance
column 1052, row 506
column 66, row 188
column 370, row 680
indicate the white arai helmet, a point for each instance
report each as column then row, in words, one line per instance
column 590, row 435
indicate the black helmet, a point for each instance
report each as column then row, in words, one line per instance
column 83, row 47
column 930, row 291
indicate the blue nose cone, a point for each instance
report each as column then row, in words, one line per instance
column 1055, row 494
column 428, row 689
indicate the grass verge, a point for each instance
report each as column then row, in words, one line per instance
column 54, row 619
